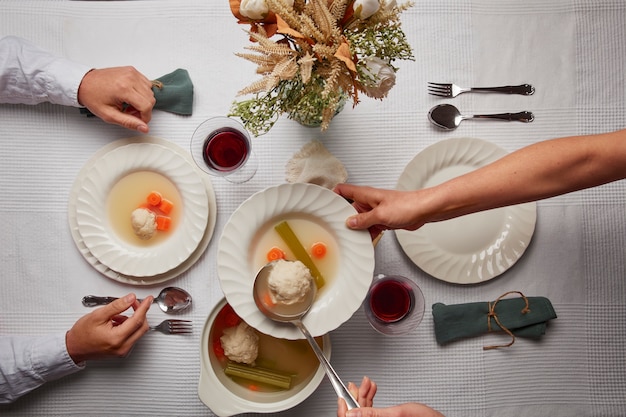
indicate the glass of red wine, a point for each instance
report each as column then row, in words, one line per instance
column 221, row 146
column 394, row 304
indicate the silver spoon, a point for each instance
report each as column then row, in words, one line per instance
column 293, row 314
column 448, row 117
column 170, row 300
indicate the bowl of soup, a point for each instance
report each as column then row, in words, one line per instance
column 266, row 225
column 284, row 373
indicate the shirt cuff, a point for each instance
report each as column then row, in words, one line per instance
column 65, row 77
column 51, row 360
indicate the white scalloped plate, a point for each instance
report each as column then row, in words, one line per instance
column 92, row 217
column 472, row 248
column 129, row 279
column 343, row 294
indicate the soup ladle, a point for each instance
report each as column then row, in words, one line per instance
column 293, row 314
column 448, row 117
column 170, row 300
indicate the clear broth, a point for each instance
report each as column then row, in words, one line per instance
column 129, row 193
column 292, row 357
column 309, row 231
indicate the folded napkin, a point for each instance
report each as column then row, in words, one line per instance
column 314, row 164
column 173, row 93
column 523, row 317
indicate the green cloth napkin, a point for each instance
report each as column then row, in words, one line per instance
column 458, row 321
column 173, row 93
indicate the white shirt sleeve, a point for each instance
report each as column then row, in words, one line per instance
column 27, row 362
column 30, row 75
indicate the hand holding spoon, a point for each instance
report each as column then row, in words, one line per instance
column 448, row 117
column 293, row 314
column 170, row 300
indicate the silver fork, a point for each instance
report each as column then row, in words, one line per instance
column 453, row 90
column 173, row 327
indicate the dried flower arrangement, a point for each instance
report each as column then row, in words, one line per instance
column 326, row 51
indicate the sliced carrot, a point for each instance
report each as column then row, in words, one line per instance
column 166, row 206
column 163, row 223
column 275, row 254
column 267, row 300
column 218, row 350
column 154, row 198
column 318, row 250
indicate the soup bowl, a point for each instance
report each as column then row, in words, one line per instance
column 226, row 397
column 313, row 212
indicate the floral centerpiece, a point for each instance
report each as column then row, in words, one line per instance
column 313, row 55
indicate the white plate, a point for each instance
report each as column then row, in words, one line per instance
column 203, row 195
column 473, row 248
column 338, row 300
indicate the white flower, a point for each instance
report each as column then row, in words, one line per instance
column 365, row 8
column 254, row 9
column 257, row 9
column 379, row 77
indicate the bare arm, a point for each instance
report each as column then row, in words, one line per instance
column 538, row 171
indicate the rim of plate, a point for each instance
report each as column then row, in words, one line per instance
column 337, row 303
column 512, row 226
column 92, row 216
column 129, row 279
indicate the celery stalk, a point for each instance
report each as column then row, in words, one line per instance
column 262, row 375
column 286, row 233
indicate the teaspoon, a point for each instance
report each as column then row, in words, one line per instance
column 448, row 117
column 170, row 300
column 293, row 314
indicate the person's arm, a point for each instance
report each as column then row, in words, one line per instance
column 30, row 75
column 27, row 362
column 538, row 171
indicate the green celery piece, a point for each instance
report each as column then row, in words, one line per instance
column 286, row 233
column 262, row 375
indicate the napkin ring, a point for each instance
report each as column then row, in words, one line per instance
column 492, row 314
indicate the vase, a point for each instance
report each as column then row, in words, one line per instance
column 311, row 114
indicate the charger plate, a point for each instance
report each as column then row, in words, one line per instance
column 142, row 279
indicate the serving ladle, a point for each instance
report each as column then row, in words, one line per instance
column 171, row 300
column 293, row 314
column 448, row 117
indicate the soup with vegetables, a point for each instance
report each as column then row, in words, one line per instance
column 302, row 238
column 137, row 190
column 280, row 365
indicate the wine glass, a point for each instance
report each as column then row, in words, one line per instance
column 221, row 146
column 394, row 305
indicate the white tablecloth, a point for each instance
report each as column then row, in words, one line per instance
column 573, row 52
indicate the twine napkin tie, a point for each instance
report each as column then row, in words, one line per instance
column 517, row 317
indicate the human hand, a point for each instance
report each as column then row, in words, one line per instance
column 381, row 209
column 119, row 95
column 106, row 333
column 365, row 397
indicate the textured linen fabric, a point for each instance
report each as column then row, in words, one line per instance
column 30, row 75
column 27, row 362
column 572, row 51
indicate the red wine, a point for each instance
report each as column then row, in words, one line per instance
column 225, row 149
column 390, row 300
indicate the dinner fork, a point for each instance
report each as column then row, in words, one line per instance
column 173, row 327
column 453, row 90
